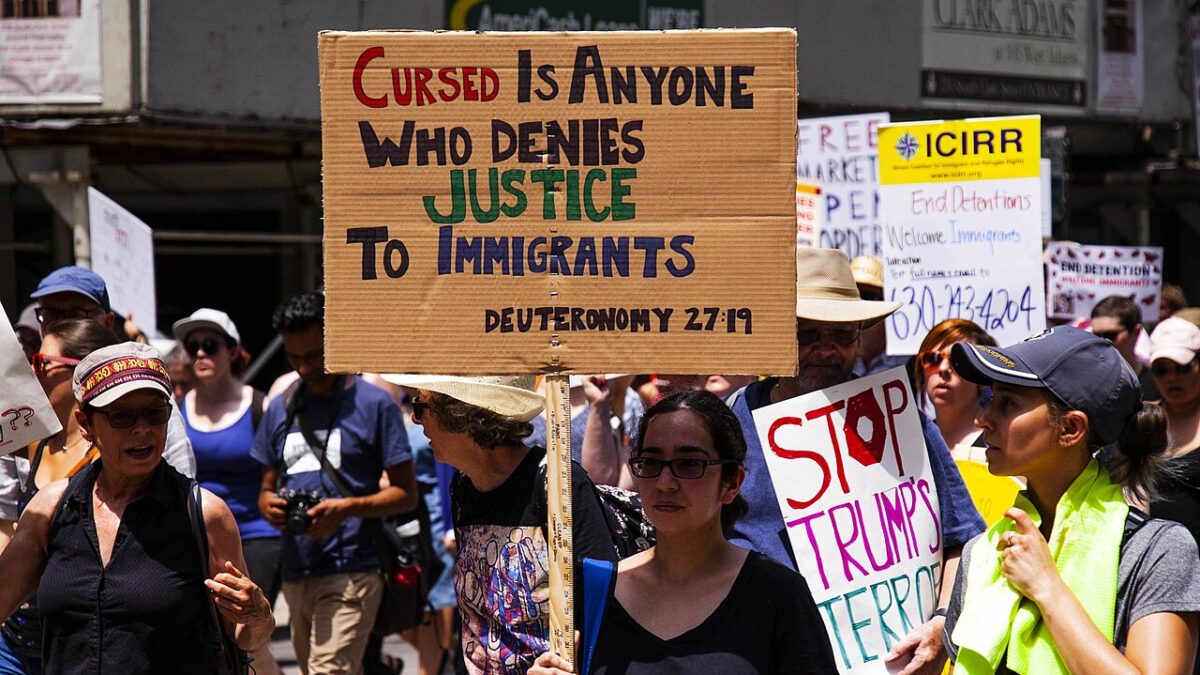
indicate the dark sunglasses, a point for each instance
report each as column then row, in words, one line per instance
column 419, row 408
column 1110, row 335
column 1162, row 368
column 47, row 316
column 125, row 419
column 683, row 467
column 932, row 361
column 41, row 362
column 842, row 336
column 209, row 345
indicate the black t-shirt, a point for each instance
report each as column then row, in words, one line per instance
column 767, row 624
column 502, row 572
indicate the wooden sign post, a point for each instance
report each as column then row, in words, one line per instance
column 559, row 203
column 558, row 496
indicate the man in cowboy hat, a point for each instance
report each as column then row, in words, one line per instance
column 830, row 318
column 498, row 502
column 868, row 276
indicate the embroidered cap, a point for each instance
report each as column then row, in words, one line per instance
column 109, row 373
column 1084, row 371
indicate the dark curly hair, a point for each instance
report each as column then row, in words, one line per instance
column 299, row 312
column 487, row 429
column 722, row 426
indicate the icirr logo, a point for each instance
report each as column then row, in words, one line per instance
column 907, row 146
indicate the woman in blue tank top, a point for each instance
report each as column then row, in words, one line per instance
column 220, row 415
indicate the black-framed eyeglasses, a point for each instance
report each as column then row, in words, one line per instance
column 47, row 316
column 1162, row 368
column 681, row 467
column 209, row 345
column 125, row 419
column 842, row 336
column 419, row 408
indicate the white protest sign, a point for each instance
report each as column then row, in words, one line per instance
column 809, row 210
column 25, row 412
column 857, row 493
column 961, row 204
column 123, row 255
column 1081, row 276
column 840, row 153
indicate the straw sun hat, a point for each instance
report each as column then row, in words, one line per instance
column 825, row 290
column 509, row 396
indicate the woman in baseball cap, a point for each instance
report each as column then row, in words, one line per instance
column 1072, row 579
column 113, row 552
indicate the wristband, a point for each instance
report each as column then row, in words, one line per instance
column 941, row 611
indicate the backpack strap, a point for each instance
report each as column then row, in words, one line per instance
column 200, row 534
column 599, row 580
column 256, row 408
column 1133, row 522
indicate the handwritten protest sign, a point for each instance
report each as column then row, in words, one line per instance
column 1079, row 276
column 840, row 153
column 123, row 255
column 566, row 202
column 25, row 412
column 858, row 496
column 809, row 210
column 961, row 205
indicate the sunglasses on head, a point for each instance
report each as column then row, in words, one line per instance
column 209, row 345
column 1162, row 368
column 125, row 419
column 41, row 362
column 842, row 336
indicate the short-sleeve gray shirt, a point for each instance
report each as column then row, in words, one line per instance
column 1159, row 572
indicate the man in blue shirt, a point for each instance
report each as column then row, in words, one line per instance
column 830, row 318
column 331, row 571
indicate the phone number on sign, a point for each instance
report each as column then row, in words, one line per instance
column 923, row 307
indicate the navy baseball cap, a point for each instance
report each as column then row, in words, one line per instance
column 75, row 279
column 1084, row 371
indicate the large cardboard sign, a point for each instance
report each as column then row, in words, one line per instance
column 50, row 52
column 1081, row 276
column 1009, row 53
column 570, row 202
column 961, row 204
column 857, row 493
column 841, row 153
column 25, row 412
column 123, row 255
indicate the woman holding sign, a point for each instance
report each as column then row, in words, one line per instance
column 1073, row 579
column 694, row 602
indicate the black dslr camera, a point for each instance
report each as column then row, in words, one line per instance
column 298, row 504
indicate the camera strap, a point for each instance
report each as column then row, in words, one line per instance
column 295, row 407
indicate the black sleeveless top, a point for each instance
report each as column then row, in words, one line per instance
column 145, row 612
